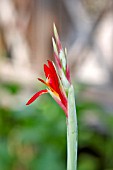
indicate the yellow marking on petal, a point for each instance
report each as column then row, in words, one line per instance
column 55, row 94
column 51, row 89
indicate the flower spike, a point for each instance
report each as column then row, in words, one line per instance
column 57, row 83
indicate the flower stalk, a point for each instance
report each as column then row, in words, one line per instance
column 58, row 85
column 72, row 133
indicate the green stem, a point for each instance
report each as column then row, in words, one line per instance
column 71, row 132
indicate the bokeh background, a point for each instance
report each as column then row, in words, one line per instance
column 34, row 137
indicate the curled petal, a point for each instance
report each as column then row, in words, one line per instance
column 36, row 95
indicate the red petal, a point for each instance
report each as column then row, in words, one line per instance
column 50, row 84
column 46, row 70
column 63, row 98
column 49, row 73
column 51, row 66
column 42, row 81
column 35, row 96
column 54, row 76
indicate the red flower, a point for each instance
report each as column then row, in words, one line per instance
column 54, row 87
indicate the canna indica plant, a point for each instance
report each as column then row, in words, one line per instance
column 58, row 85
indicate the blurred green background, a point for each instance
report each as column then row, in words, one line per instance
column 34, row 137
